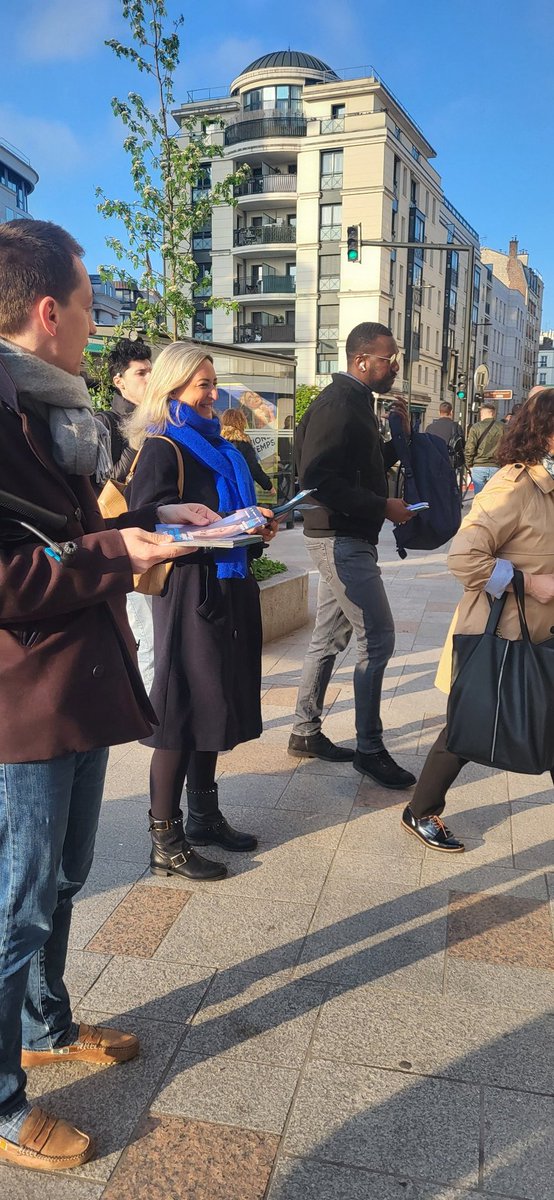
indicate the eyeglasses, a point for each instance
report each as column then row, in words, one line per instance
column 392, row 359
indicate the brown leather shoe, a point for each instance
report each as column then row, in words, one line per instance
column 95, row 1044
column 47, row 1144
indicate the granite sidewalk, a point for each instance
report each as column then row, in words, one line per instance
column 348, row 1016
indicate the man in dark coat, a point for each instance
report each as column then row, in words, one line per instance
column 129, row 364
column 69, row 684
column 342, row 457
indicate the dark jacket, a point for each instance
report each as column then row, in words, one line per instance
column 123, row 455
column 482, row 443
column 252, row 461
column 446, row 428
column 68, row 674
column 340, row 453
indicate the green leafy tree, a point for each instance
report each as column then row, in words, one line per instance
column 98, row 377
column 305, row 393
column 160, row 221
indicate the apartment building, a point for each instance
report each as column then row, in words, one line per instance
column 325, row 153
column 545, row 370
column 513, row 309
column 18, row 180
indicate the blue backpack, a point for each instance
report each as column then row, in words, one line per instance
column 426, row 473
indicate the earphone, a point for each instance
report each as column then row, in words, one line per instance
column 362, row 367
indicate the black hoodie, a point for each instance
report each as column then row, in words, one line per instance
column 339, row 451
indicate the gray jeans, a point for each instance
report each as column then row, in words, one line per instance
column 351, row 598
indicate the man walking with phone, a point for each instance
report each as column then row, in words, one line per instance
column 340, row 454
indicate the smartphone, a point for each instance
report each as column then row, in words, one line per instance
column 415, row 508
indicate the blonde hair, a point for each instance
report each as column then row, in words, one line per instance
column 233, row 425
column 173, row 368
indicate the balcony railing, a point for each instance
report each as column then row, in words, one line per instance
column 332, row 125
column 267, row 183
column 331, row 182
column 257, row 235
column 202, row 289
column 265, row 127
column 330, row 233
column 266, row 285
column 264, row 333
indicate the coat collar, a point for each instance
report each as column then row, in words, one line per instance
column 540, row 476
column 8, row 390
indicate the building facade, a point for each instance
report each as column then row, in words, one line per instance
column 513, row 311
column 545, row 369
column 326, row 154
column 106, row 308
column 18, row 180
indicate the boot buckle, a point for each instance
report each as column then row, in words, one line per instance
column 179, row 860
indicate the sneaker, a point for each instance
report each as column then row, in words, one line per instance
column 383, row 770
column 316, row 745
column 432, row 832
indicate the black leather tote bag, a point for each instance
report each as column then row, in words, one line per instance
column 501, row 704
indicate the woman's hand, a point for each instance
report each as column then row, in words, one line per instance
column 147, row 549
column 271, row 528
column 186, row 514
column 540, row 587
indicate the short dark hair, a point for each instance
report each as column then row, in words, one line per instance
column 445, row 406
column 37, row 258
column 363, row 336
column 526, row 439
column 486, row 406
column 124, row 352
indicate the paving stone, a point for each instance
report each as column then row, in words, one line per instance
column 518, row 987
column 334, row 795
column 502, row 929
column 263, row 934
column 19, row 1184
column 123, row 831
column 487, row 1045
column 176, row 1158
column 259, row 1020
column 252, row 789
column 537, row 789
column 438, row 868
column 108, row 883
column 518, row 1144
column 386, row 1121
column 228, row 1091
column 81, row 970
column 161, row 991
column 375, row 830
column 140, row 922
column 295, row 871
column 533, row 832
column 297, row 1179
column 106, row 1103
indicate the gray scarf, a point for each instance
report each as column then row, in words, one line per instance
column 548, row 464
column 81, row 443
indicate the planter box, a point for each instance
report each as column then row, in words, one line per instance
column 284, row 601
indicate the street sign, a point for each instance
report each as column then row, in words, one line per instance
column 507, row 394
column 481, row 377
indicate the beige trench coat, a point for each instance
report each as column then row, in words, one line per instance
column 512, row 518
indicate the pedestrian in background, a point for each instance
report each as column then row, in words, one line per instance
column 342, row 456
column 233, row 429
column 509, row 527
column 481, row 446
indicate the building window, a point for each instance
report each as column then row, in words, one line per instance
column 330, row 222
column 328, row 322
column 202, row 239
column 327, row 365
column 542, row 377
column 398, row 132
column 415, row 153
column 338, row 111
column 285, row 98
column 399, row 327
column 413, row 191
column 329, row 272
column 543, row 360
column 331, row 169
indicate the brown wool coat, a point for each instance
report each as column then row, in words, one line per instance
column 512, row 518
column 68, row 674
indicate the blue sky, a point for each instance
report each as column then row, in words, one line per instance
column 477, row 77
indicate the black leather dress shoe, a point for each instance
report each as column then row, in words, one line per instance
column 218, row 832
column 432, row 832
column 383, row 770
column 318, row 746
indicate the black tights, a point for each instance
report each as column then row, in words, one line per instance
column 168, row 771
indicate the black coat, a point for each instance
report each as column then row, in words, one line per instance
column 341, row 455
column 123, row 455
column 253, row 463
column 207, row 632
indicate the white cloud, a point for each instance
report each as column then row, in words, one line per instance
column 50, row 145
column 65, row 30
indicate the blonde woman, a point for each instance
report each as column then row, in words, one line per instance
column 233, row 429
column 207, row 625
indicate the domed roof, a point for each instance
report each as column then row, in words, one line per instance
column 289, row 58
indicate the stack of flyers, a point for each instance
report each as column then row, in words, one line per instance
column 227, row 531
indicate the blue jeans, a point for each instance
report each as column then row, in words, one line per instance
column 48, row 819
column 351, row 598
column 481, row 476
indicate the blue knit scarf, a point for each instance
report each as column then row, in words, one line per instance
column 234, row 483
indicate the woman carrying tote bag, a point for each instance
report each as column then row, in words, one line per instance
column 510, row 528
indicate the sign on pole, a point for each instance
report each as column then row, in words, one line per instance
column 500, row 394
column 481, row 377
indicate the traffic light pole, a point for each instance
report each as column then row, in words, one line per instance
column 444, row 247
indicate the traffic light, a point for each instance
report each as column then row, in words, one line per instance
column 353, row 243
column 461, row 387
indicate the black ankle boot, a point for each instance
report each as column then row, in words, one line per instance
column 172, row 855
column 206, row 825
